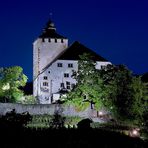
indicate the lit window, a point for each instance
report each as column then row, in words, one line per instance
column 70, row 65
column 59, row 64
column 45, row 78
column 45, row 83
column 66, row 75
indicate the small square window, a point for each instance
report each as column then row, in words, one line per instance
column 66, row 75
column 68, row 87
column 70, row 65
column 59, row 64
column 45, row 83
column 45, row 77
column 67, row 83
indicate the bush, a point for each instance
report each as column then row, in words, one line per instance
column 28, row 99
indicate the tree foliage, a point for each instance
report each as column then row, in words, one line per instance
column 127, row 94
column 113, row 87
column 11, row 79
column 89, row 88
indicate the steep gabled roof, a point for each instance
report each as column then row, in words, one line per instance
column 76, row 49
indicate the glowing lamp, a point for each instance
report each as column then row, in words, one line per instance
column 135, row 132
column 100, row 113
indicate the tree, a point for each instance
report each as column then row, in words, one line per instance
column 139, row 106
column 127, row 94
column 11, row 79
column 89, row 88
column 118, row 80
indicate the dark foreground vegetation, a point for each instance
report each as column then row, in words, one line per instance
column 15, row 134
column 67, row 138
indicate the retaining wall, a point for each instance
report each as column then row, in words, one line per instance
column 40, row 109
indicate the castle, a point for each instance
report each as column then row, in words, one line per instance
column 54, row 62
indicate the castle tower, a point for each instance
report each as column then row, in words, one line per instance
column 46, row 48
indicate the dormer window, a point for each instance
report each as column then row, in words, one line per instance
column 59, row 64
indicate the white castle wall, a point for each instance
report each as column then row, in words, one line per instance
column 45, row 51
column 55, row 76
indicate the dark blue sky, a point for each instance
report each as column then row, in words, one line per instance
column 116, row 29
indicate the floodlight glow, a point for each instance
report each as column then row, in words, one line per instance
column 6, row 87
column 135, row 132
column 100, row 113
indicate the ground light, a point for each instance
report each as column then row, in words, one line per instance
column 135, row 132
column 100, row 113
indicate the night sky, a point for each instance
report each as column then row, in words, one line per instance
column 116, row 29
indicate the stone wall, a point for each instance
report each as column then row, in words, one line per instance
column 39, row 109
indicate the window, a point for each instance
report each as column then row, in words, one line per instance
column 45, row 77
column 68, row 87
column 46, row 98
column 59, row 64
column 49, row 40
column 72, row 86
column 62, row 85
column 48, row 71
column 62, row 41
column 103, row 66
column 70, row 65
column 43, row 40
column 55, row 40
column 67, row 83
column 45, row 83
column 66, row 75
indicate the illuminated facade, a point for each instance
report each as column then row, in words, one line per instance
column 54, row 62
